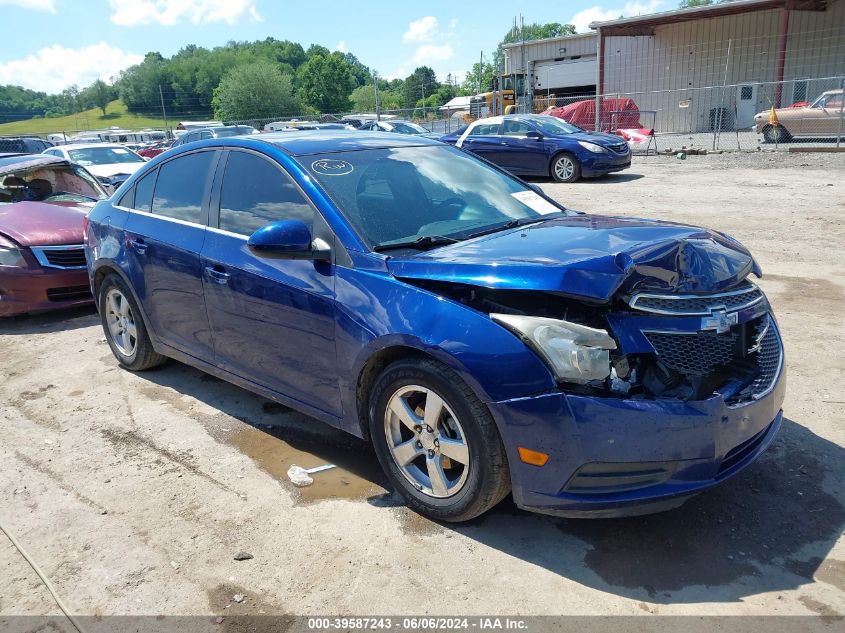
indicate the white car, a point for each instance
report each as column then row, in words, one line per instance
column 110, row 163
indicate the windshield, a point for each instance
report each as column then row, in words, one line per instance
column 553, row 125
column 51, row 183
column 103, row 156
column 233, row 131
column 397, row 195
column 408, row 128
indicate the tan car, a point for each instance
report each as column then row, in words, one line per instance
column 820, row 118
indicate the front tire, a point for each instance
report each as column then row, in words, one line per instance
column 124, row 326
column 436, row 441
column 776, row 134
column 565, row 168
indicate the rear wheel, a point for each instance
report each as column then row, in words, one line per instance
column 776, row 134
column 124, row 327
column 437, row 442
column 565, row 168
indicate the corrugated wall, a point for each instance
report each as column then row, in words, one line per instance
column 685, row 64
column 547, row 50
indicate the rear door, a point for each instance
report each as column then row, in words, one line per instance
column 164, row 236
column 520, row 154
column 273, row 320
column 483, row 139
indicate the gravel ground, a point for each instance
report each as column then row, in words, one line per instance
column 135, row 492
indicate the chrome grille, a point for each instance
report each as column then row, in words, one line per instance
column 619, row 148
column 747, row 295
column 60, row 256
column 769, row 359
column 694, row 353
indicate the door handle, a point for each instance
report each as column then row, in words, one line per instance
column 138, row 245
column 217, row 274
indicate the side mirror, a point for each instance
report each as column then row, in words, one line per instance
column 535, row 135
column 289, row 239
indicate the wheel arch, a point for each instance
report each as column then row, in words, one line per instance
column 103, row 270
column 558, row 153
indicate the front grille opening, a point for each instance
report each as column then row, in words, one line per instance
column 68, row 258
column 738, row 454
column 742, row 297
column 69, row 293
column 611, row 477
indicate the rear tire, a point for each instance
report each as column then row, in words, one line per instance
column 436, row 441
column 124, row 326
column 565, row 168
column 776, row 134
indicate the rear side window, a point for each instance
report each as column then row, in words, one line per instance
column 256, row 193
column 144, row 192
column 484, row 129
column 180, row 187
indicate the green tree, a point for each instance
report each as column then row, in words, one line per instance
column 470, row 84
column 364, row 99
column 420, row 84
column 252, row 91
column 325, row 82
column 99, row 94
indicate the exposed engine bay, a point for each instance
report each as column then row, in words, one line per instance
column 683, row 347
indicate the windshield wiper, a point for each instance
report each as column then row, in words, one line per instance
column 426, row 241
column 511, row 224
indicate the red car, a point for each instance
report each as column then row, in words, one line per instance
column 155, row 150
column 43, row 203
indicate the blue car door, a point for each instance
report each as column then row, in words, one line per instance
column 519, row 153
column 164, row 236
column 483, row 139
column 273, row 319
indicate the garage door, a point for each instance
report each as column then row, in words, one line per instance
column 565, row 74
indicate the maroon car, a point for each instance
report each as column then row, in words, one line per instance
column 43, row 203
column 154, row 150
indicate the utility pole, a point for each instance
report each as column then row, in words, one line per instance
column 422, row 84
column 378, row 105
column 480, row 71
column 163, row 111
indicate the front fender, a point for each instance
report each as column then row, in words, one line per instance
column 492, row 361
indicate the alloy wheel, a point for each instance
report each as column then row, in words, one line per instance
column 426, row 441
column 564, row 168
column 121, row 322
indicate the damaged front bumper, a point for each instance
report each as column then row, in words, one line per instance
column 613, row 457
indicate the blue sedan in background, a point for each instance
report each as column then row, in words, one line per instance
column 484, row 338
column 540, row 145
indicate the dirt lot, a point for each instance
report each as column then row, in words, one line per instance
column 134, row 492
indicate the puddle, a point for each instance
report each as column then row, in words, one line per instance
column 358, row 475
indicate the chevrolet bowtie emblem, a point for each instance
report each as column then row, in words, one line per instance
column 720, row 321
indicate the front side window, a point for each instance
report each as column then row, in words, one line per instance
column 256, row 193
column 180, row 187
column 402, row 194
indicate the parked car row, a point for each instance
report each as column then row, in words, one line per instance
column 485, row 338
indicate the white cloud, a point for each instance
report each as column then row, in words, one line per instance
column 582, row 19
column 170, row 12
column 48, row 6
column 422, row 30
column 54, row 68
column 341, row 47
column 429, row 53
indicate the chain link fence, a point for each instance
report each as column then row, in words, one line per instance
column 729, row 117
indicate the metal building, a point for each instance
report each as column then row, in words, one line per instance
column 701, row 67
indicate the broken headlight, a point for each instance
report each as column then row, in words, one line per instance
column 575, row 353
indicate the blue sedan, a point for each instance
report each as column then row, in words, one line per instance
column 484, row 338
column 539, row 145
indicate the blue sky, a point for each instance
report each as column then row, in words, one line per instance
column 49, row 44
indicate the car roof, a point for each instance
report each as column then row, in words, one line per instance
column 27, row 161
column 91, row 145
column 323, row 141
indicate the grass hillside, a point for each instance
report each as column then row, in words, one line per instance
column 89, row 120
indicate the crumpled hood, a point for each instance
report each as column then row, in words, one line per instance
column 43, row 223
column 589, row 256
column 113, row 169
